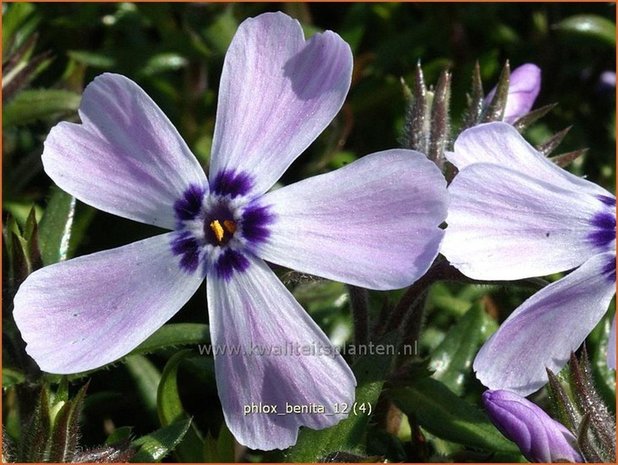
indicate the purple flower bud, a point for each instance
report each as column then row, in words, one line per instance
column 538, row 436
column 524, row 87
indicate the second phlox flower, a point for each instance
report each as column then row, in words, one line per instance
column 514, row 214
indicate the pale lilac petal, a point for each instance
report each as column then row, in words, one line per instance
column 89, row 311
column 524, row 87
column 611, row 346
column 505, row 225
column 373, row 223
column 253, row 313
column 277, row 94
column 547, row 327
column 501, row 144
column 126, row 157
column 539, row 437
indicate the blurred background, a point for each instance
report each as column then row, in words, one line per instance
column 176, row 51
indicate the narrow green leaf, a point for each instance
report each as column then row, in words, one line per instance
column 547, row 147
column 525, row 121
column 589, row 26
column 169, row 405
column 119, row 435
column 440, row 122
column 146, row 377
column 155, row 446
column 475, row 99
column 416, row 128
column 11, row 376
column 163, row 62
column 370, row 372
column 96, row 60
column 604, row 377
column 219, row 32
column 453, row 358
column 32, row 105
column 175, row 334
column 562, row 406
column 170, row 409
column 564, row 159
column 16, row 15
column 437, row 409
column 495, row 109
column 31, row 237
column 36, row 435
column 221, row 449
column 585, row 444
column 64, row 438
column 56, row 227
column 602, row 422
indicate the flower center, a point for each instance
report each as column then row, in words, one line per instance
column 223, row 233
column 215, row 231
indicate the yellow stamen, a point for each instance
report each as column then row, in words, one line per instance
column 229, row 226
column 217, row 230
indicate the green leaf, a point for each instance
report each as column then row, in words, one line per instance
column 604, row 377
column 437, row 409
column 495, row 108
column 171, row 410
column 11, row 376
column 169, row 404
column 163, row 62
column 35, row 437
column 219, row 33
column 16, row 17
column 64, row 439
column 119, row 435
column 32, row 105
column 56, row 227
column 146, row 377
column 221, row 449
column 155, row 446
column 370, row 371
column 589, row 26
column 96, row 60
column 453, row 358
column 175, row 334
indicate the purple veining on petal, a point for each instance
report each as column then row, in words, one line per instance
column 233, row 183
column 188, row 207
column 229, row 262
column 607, row 200
column 255, row 221
column 604, row 231
column 186, row 246
column 609, row 270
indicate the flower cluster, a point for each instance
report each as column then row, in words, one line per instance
column 377, row 223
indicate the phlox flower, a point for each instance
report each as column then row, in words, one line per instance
column 524, row 88
column 514, row 214
column 539, row 437
column 373, row 223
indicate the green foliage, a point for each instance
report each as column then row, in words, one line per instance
column 370, row 371
column 453, row 358
column 441, row 412
column 32, row 105
column 156, row 446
